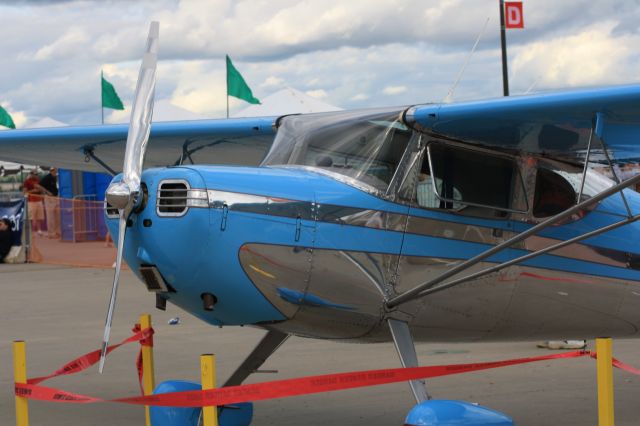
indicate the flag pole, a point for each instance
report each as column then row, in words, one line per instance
column 503, row 39
column 101, row 96
column 227, row 77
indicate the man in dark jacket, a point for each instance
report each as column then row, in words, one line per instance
column 6, row 238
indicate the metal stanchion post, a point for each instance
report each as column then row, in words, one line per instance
column 148, row 375
column 26, row 228
column 208, row 378
column 20, row 376
column 605, row 381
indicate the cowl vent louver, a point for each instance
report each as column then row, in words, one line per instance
column 172, row 198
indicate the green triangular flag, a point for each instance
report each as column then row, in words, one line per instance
column 236, row 86
column 110, row 98
column 5, row 119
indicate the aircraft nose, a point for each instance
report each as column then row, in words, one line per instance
column 167, row 231
column 176, row 240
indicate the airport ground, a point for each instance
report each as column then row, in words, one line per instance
column 59, row 311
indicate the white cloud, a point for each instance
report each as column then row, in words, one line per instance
column 394, row 90
column 361, row 53
column 360, row 97
column 272, row 81
column 20, row 119
column 201, row 88
column 318, row 93
column 70, row 43
column 590, row 57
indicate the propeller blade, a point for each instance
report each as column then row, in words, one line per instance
column 141, row 113
column 122, row 227
column 125, row 195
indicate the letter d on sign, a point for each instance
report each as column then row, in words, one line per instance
column 513, row 15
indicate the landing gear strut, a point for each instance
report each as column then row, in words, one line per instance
column 267, row 346
column 407, row 352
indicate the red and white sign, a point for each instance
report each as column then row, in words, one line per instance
column 513, row 14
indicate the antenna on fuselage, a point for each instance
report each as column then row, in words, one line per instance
column 449, row 96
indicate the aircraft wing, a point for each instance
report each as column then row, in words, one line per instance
column 243, row 141
column 557, row 124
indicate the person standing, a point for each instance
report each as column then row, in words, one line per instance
column 34, row 192
column 51, row 203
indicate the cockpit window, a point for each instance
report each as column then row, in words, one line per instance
column 554, row 194
column 364, row 146
column 470, row 177
column 558, row 186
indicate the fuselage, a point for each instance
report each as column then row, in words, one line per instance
column 301, row 251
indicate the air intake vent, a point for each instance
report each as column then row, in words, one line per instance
column 172, row 198
column 152, row 278
column 112, row 212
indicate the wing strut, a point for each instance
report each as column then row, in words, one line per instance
column 530, row 256
column 586, row 162
column 615, row 176
column 418, row 291
column 597, row 129
column 89, row 153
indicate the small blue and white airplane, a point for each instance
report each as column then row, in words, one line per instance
column 435, row 222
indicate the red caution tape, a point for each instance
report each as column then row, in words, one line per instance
column 619, row 364
column 91, row 358
column 323, row 383
column 626, row 367
column 284, row 388
column 44, row 393
column 278, row 388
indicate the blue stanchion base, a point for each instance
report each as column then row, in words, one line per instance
column 239, row 414
column 440, row 412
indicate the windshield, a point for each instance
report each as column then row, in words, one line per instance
column 362, row 145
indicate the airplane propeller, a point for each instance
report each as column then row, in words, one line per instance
column 126, row 195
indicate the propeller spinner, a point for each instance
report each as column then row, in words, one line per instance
column 126, row 195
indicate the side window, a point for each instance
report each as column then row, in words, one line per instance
column 468, row 177
column 428, row 187
column 554, row 194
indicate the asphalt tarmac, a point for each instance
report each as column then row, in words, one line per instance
column 59, row 311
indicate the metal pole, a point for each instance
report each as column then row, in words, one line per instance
column 26, row 228
column 503, row 40
column 604, row 353
column 101, row 96
column 20, row 376
column 227, row 77
column 530, row 255
column 521, row 236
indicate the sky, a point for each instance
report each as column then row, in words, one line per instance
column 348, row 53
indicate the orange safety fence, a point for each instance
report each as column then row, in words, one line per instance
column 68, row 232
